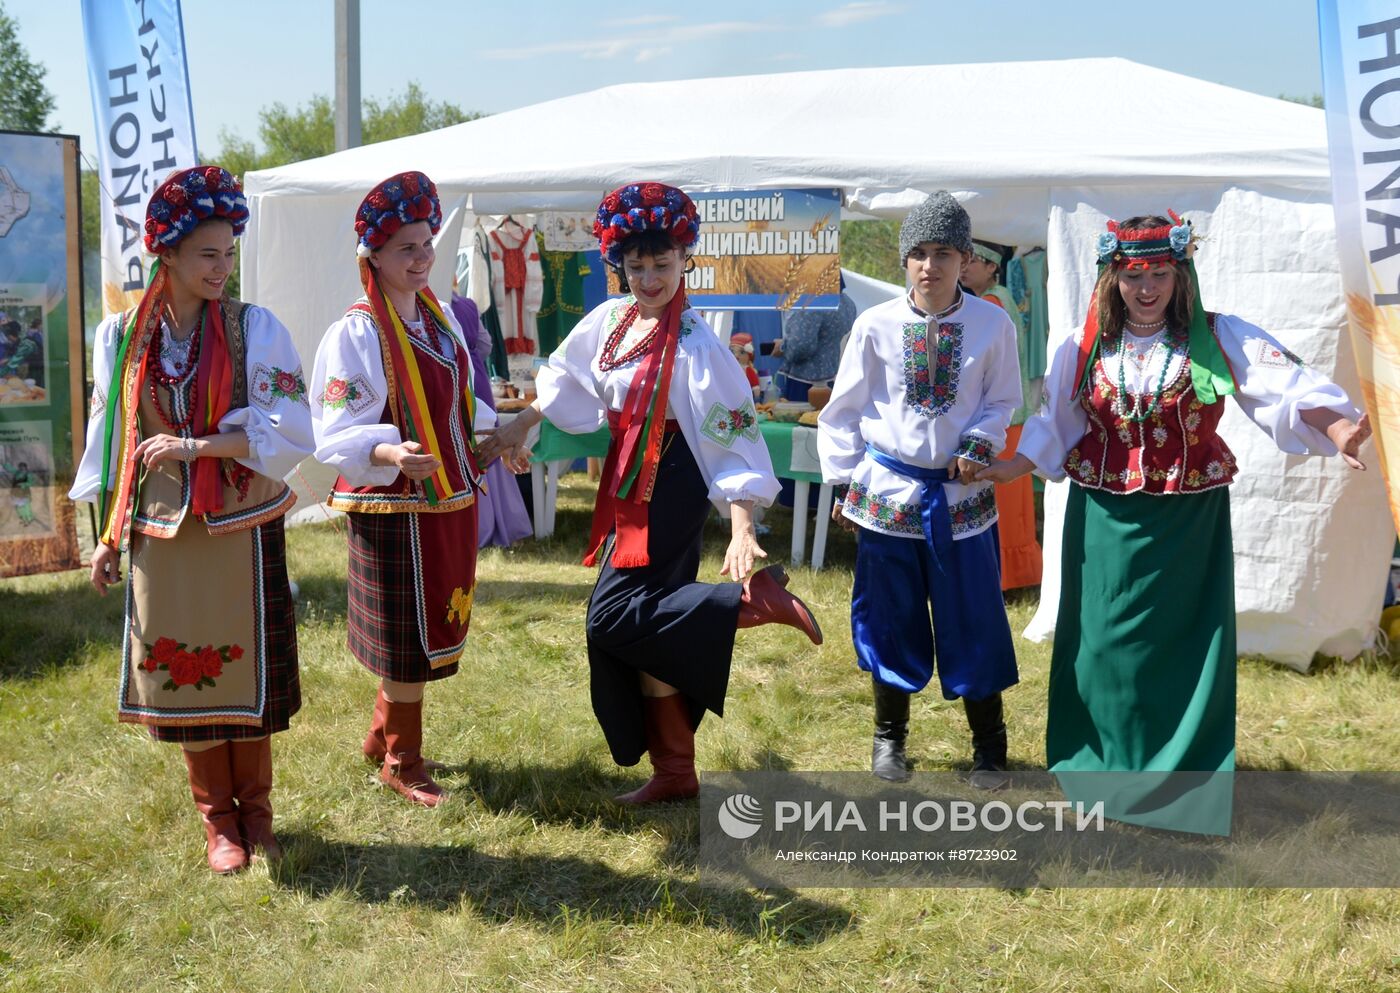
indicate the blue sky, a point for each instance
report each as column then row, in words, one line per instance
column 247, row 54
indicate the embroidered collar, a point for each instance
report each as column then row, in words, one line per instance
column 957, row 302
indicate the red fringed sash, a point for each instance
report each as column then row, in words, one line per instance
column 213, row 398
column 629, row 472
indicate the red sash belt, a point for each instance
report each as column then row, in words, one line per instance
column 628, row 517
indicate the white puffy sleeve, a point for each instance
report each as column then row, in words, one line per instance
column 568, row 394
column 348, row 392
column 1276, row 387
column 840, row 444
column 87, row 479
column 718, row 420
column 276, row 420
column 985, row 436
column 1060, row 422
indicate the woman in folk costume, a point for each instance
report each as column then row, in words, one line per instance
column 1021, row 559
column 685, row 436
column 395, row 413
column 1142, row 677
column 922, row 398
column 199, row 409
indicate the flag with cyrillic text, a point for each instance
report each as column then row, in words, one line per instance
column 141, row 106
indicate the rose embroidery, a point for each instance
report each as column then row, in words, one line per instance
column 353, row 395
column 725, row 425
column 198, row 667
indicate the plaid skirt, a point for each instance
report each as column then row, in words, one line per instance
column 382, row 616
column 283, row 676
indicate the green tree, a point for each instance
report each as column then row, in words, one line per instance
column 871, row 248
column 1313, row 101
column 25, row 102
column 308, row 131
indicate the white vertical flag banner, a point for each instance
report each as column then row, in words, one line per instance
column 145, row 125
column 1361, row 88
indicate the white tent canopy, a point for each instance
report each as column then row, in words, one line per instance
column 1090, row 139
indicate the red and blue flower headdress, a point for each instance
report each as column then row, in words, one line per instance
column 638, row 207
column 191, row 196
column 399, row 200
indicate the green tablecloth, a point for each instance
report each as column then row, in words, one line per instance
column 777, row 435
column 559, row 446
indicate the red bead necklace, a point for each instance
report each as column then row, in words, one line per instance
column 610, row 360
column 158, row 375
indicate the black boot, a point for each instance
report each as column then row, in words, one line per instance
column 984, row 717
column 891, row 729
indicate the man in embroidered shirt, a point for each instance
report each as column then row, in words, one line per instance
column 925, row 391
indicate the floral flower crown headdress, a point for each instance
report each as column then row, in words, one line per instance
column 399, row 200
column 1144, row 248
column 188, row 197
column 638, row 207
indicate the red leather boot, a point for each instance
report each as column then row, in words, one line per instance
column 252, row 785
column 404, row 769
column 767, row 601
column 211, row 783
column 375, row 748
column 671, row 746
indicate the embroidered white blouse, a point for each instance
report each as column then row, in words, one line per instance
column 276, row 420
column 925, row 390
column 1275, row 387
column 348, row 390
column 710, row 399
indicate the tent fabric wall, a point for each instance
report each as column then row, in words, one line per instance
column 1095, row 138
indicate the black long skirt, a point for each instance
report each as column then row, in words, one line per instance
column 657, row 619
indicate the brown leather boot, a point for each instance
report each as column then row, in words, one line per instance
column 767, row 601
column 374, row 747
column 403, row 768
column 671, row 745
column 211, row 782
column 252, row 784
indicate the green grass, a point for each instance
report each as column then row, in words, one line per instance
column 530, row 879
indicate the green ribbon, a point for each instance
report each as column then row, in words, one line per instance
column 1210, row 371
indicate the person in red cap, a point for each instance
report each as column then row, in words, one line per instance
column 741, row 345
column 685, row 437
column 395, row 412
column 198, row 411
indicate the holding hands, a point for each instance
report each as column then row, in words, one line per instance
column 508, row 441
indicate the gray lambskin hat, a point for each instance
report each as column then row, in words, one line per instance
column 940, row 218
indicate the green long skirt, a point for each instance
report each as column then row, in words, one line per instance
column 1142, row 679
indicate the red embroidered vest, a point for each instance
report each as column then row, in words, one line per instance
column 1176, row 450
column 443, row 382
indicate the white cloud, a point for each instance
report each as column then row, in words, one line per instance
column 854, row 13
column 642, row 46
